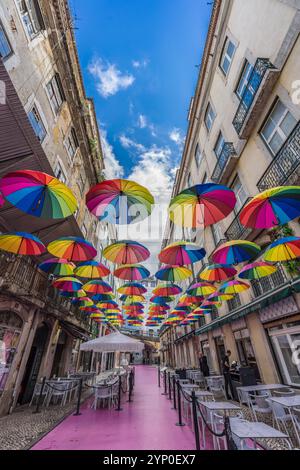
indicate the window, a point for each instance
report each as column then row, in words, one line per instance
column 81, row 183
column 209, row 117
column 205, row 178
column 5, row 48
column 37, row 124
column 198, row 155
column 227, row 56
column 190, row 180
column 55, row 93
column 244, row 79
column 219, row 146
column 278, row 127
column 31, row 16
column 240, row 193
column 71, row 143
column 84, row 230
column 59, row 173
column 217, row 233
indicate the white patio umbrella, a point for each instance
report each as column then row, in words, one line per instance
column 115, row 342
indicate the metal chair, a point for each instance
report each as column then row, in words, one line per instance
column 279, row 415
column 37, row 392
column 259, row 404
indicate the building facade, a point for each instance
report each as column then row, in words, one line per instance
column 244, row 129
column 47, row 123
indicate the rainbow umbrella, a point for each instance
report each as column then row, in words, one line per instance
column 67, row 284
column 217, row 273
column 90, row 309
column 257, row 270
column 234, row 287
column 72, row 249
column 129, row 299
column 110, row 304
column 210, row 303
column 132, row 288
column 91, row 270
column 58, row 267
column 126, row 252
column 132, row 272
column 167, row 289
column 133, row 304
column 161, row 300
column 95, row 287
column 219, row 297
column 83, row 302
column 181, row 254
column 201, row 289
column 119, row 201
column 103, row 297
column 202, row 205
column 173, row 273
column 21, row 243
column 284, row 249
column 38, row 194
column 235, row 252
column 73, row 295
column 275, row 206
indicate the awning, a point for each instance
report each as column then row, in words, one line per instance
column 74, row 330
column 115, row 342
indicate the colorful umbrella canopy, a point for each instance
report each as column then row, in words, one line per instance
column 275, row 206
column 132, row 272
column 90, row 309
column 235, row 252
column 219, row 297
column 133, row 304
column 257, row 270
column 110, row 304
column 161, row 300
column 167, row 290
column 201, row 289
column 58, row 267
column 83, row 302
column 129, row 299
column 173, row 273
column 38, row 194
column 21, row 243
column 126, row 252
column 91, row 270
column 73, row 295
column 217, row 273
column 95, row 287
column 210, row 303
column 234, row 287
column 119, row 201
column 202, row 205
column 181, row 254
column 103, row 297
column 72, row 249
column 67, row 284
column 284, row 249
column 132, row 288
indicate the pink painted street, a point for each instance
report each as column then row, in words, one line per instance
column 148, row 423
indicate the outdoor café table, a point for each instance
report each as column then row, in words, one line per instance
column 243, row 430
column 260, row 388
column 289, row 403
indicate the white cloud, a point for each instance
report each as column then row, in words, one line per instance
column 142, row 121
column 176, row 135
column 138, row 64
column 113, row 168
column 128, row 143
column 109, row 78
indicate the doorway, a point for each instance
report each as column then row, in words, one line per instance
column 33, row 364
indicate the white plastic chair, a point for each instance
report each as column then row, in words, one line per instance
column 279, row 415
column 218, row 427
column 102, row 394
column 36, row 393
column 59, row 391
column 259, row 404
column 216, row 385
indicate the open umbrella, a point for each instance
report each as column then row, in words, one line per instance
column 58, row 267
column 83, row 302
column 103, row 297
column 202, row 205
column 275, row 206
column 72, row 249
column 132, row 272
column 67, row 284
column 235, row 252
column 219, row 297
column 110, row 304
column 133, row 304
column 257, row 270
column 130, row 299
column 161, row 300
column 210, row 303
column 217, row 273
column 234, row 287
column 91, row 270
column 21, row 243
column 201, row 289
column 73, row 295
column 132, row 288
column 173, row 273
column 284, row 249
column 119, row 201
column 126, row 252
column 167, row 289
column 95, row 287
column 181, row 254
column 38, row 194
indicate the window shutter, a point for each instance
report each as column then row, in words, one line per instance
column 60, row 87
column 36, row 14
column 75, row 137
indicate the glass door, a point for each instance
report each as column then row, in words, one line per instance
column 285, row 346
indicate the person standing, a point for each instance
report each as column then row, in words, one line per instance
column 227, row 377
column 203, row 365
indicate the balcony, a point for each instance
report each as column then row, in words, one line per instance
column 261, row 82
column 225, row 164
column 269, row 283
column 237, row 231
column 285, row 168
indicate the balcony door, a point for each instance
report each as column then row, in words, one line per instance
column 285, row 342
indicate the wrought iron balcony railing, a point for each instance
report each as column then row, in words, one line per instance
column 223, row 164
column 251, row 92
column 237, row 231
column 283, row 168
column 266, row 284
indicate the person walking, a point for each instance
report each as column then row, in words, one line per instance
column 227, row 377
column 203, row 365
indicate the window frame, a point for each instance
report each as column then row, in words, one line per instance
column 35, row 31
column 7, row 41
column 198, row 153
column 236, row 208
column 246, row 63
column 209, row 110
column 62, row 170
column 38, row 114
column 70, row 139
column 224, row 54
column 53, row 99
column 220, row 137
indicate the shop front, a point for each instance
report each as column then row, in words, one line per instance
column 10, row 331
